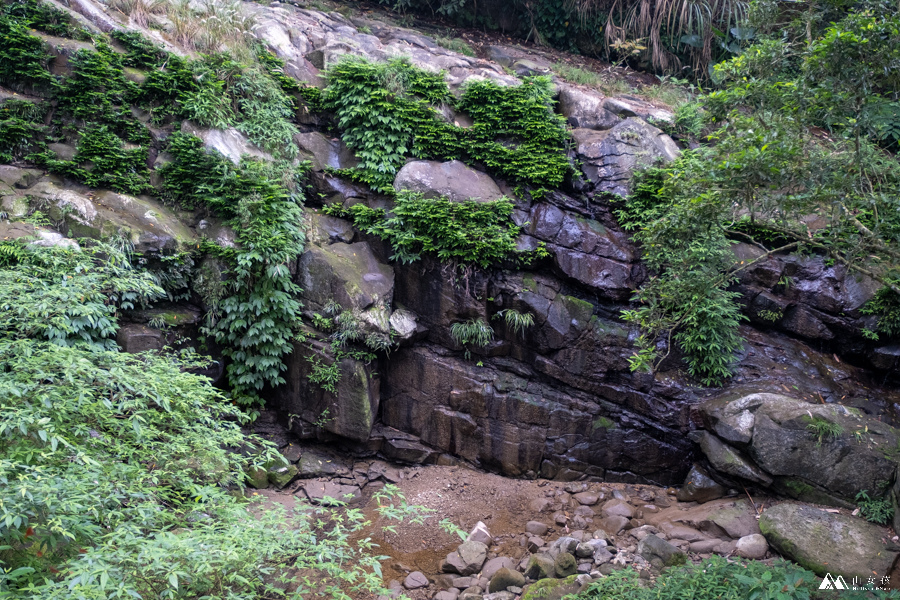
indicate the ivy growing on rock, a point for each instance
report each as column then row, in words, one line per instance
column 389, row 111
column 471, row 232
column 256, row 321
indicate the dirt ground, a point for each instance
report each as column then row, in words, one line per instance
column 464, row 497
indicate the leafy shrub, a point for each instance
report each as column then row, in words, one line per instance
column 470, row 232
column 885, row 305
column 111, row 165
column 257, row 319
column 875, row 510
column 99, row 281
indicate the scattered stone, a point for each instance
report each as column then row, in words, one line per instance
column 563, row 545
column 699, row 487
column 467, row 559
column 415, row 580
column 540, row 566
column 560, row 518
column 534, row 544
column 704, row 546
column 660, row 553
column 257, row 478
column 587, row 498
column 616, row 507
column 539, row 505
column 565, row 565
column 481, row 534
column 505, row 578
column 681, row 532
column 613, row 525
column 752, row 546
column 281, row 476
column 602, row 556
column 446, row 595
column 495, row 564
column 536, row 528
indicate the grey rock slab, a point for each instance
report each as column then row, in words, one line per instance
column 453, row 180
column 699, row 487
column 327, row 492
column 730, row 461
column 481, row 534
column 504, row 578
column 618, row 508
column 495, row 564
column 825, row 542
column 536, row 528
column 540, row 566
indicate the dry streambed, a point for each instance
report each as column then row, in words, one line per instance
column 522, row 531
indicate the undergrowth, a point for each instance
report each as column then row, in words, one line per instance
column 717, row 578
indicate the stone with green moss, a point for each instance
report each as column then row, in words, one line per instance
column 551, row 589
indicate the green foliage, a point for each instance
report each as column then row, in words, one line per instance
column 102, row 161
column 716, row 578
column 43, row 17
column 886, row 305
column 455, row 44
column 388, row 111
column 875, row 510
column 577, row 74
column 325, row 376
column 766, row 173
column 23, row 59
column 141, row 53
column 686, row 300
column 515, row 320
column 823, row 429
column 70, row 297
column 471, row 232
column 258, row 318
column 474, row 332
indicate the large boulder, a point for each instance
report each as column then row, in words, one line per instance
column 230, row 143
column 584, row 108
column 610, row 158
column 348, row 412
column 150, row 226
column 325, row 152
column 452, row 180
column 352, row 276
column 817, row 452
column 826, row 542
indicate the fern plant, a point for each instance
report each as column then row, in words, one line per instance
column 824, row 429
column 515, row 320
column 474, row 332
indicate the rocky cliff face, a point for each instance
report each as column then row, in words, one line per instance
column 557, row 401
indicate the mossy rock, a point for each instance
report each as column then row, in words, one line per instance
column 551, row 589
column 257, row 478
